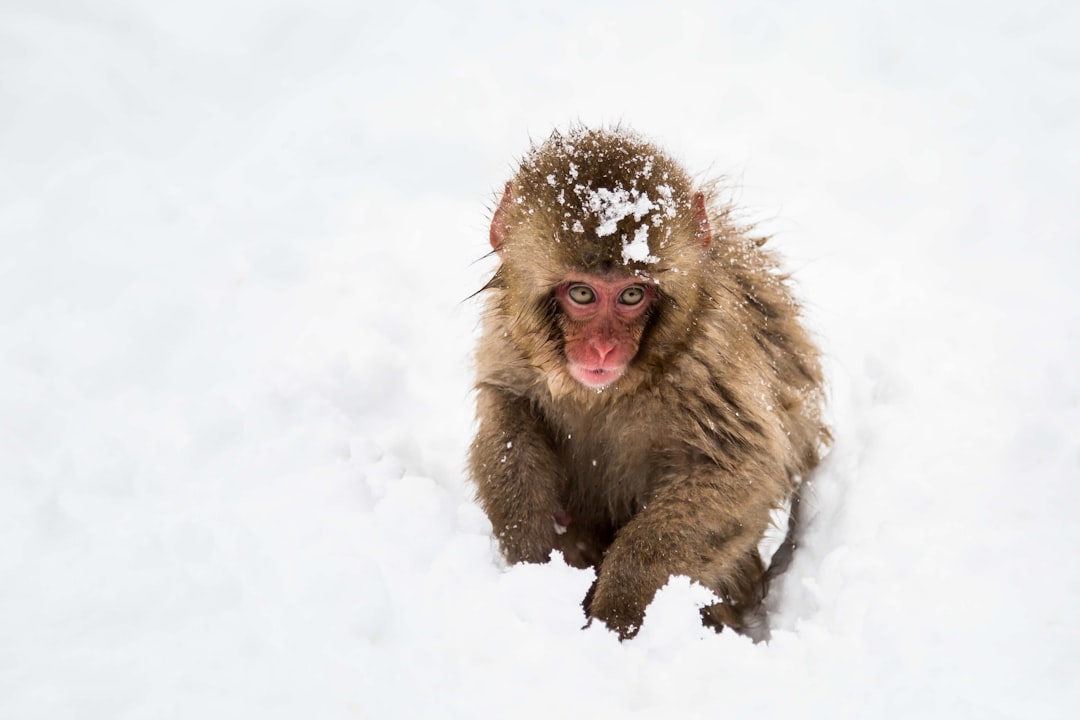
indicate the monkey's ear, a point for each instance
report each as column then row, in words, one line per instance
column 498, row 220
column 703, row 230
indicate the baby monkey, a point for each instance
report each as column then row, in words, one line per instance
column 646, row 393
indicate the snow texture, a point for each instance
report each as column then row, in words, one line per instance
column 612, row 206
column 238, row 242
column 637, row 249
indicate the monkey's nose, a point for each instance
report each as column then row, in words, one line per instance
column 603, row 347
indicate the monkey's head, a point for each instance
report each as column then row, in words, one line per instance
column 602, row 241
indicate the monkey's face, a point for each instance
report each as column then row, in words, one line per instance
column 602, row 319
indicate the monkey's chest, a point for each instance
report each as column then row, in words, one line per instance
column 609, row 469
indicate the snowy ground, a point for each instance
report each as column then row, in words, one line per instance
column 238, row 238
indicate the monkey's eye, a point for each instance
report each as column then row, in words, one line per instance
column 632, row 295
column 581, row 294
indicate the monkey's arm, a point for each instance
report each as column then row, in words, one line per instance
column 702, row 523
column 517, row 475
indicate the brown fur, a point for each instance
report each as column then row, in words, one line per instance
column 674, row 468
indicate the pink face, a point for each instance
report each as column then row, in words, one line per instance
column 606, row 317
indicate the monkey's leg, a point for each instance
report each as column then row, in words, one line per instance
column 740, row 607
column 706, row 528
column 517, row 474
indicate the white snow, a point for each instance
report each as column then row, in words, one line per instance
column 612, row 205
column 238, row 238
column 637, row 249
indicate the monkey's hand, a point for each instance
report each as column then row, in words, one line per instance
column 622, row 591
column 690, row 528
column 517, row 475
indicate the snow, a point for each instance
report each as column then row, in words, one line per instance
column 637, row 249
column 239, row 241
column 613, row 205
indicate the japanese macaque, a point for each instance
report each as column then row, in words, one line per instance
column 646, row 393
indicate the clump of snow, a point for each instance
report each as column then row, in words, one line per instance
column 666, row 202
column 611, row 206
column 637, row 250
column 672, row 618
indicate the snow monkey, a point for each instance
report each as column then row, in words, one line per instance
column 646, row 394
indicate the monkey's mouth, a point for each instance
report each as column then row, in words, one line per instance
column 595, row 378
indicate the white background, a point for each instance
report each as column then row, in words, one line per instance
column 238, row 241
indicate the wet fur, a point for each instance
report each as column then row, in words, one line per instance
column 673, row 469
